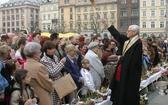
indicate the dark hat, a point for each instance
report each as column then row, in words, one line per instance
column 112, row 58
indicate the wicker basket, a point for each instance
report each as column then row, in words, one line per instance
column 89, row 97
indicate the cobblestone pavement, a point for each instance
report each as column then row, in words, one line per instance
column 157, row 99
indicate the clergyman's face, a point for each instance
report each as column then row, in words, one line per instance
column 130, row 33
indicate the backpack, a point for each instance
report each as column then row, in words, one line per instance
column 21, row 102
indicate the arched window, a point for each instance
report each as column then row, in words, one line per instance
column 161, row 35
column 152, row 35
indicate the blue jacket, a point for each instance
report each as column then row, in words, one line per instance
column 3, row 81
column 74, row 71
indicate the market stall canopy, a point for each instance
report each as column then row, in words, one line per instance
column 67, row 35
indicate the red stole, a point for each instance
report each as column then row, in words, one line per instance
column 118, row 72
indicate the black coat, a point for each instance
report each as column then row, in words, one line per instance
column 126, row 91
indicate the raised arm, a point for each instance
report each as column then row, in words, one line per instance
column 114, row 32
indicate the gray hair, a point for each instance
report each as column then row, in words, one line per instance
column 32, row 48
column 87, row 40
column 135, row 28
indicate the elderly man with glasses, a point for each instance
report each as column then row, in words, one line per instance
column 127, row 77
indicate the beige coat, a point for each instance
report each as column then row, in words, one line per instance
column 40, row 81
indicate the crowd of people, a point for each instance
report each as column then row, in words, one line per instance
column 29, row 66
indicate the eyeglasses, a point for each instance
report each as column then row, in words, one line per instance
column 130, row 31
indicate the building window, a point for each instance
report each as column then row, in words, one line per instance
column 70, row 9
column 12, row 11
column 22, row 10
column 62, row 17
column 3, row 11
column 112, row 15
column 134, row 1
column 91, row 16
column 144, row 3
column 98, row 16
column 85, row 9
column 79, row 26
column 4, row 24
column 32, row 23
column 17, row 17
column 123, row 24
column 123, row 12
column 17, row 10
column 37, row 17
column 7, row 11
column 91, row 8
column 98, row 8
column 85, row 17
column 134, row 21
column 44, row 18
column 8, row 24
column 13, row 17
column 17, row 23
column 98, row 25
column 123, row 1
column 4, row 30
column 32, row 10
column 62, row 10
column 55, row 16
column 71, row 17
column 32, row 16
column 8, row 17
column 66, row 1
column 152, row 2
column 105, row 15
column 79, row 17
column 134, row 12
column 152, row 24
column 78, row 9
column 152, row 13
column 37, row 11
column 71, row 26
column 48, row 16
column 161, row 24
column 3, row 18
column 161, row 2
column 22, row 16
column 22, row 23
column 144, row 13
column 13, row 29
column 44, row 27
column 85, row 26
column 161, row 12
column 112, row 6
column 105, row 7
column 48, row 27
column 17, row 29
column 91, row 26
column 144, row 25
column 8, row 30
column 13, row 24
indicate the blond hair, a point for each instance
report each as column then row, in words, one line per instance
column 85, row 61
column 69, row 47
column 4, row 50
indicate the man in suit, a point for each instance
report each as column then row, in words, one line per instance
column 127, row 77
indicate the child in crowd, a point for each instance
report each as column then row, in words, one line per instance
column 88, row 80
column 21, row 89
column 9, row 72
